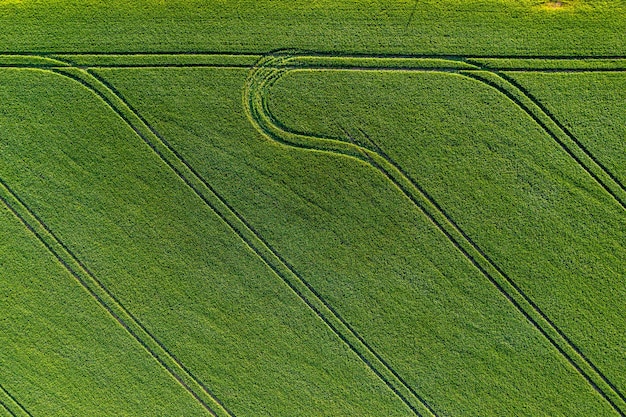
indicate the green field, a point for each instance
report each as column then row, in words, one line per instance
column 286, row 208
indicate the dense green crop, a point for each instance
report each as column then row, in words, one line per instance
column 502, row 27
column 170, row 260
column 422, row 214
column 507, row 184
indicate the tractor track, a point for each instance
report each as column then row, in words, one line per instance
column 241, row 228
column 563, row 137
column 277, row 264
column 11, row 404
column 103, row 296
column 560, row 125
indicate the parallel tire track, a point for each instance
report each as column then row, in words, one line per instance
column 555, row 129
column 495, row 274
column 380, row 366
column 593, row 162
column 193, row 384
column 257, row 243
column 572, row 146
column 261, row 79
column 6, row 410
column 11, row 404
column 577, row 152
column 107, row 300
column 239, row 226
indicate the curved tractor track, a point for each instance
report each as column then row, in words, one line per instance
column 273, row 67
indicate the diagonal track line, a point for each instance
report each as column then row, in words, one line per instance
column 110, row 303
column 577, row 152
column 107, row 300
column 242, row 228
column 11, row 404
column 396, row 383
column 591, row 163
column 555, row 130
column 6, row 409
column 245, row 231
column 528, row 300
column 513, row 293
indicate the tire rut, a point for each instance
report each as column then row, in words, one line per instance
column 557, row 132
column 272, row 258
column 10, row 403
column 111, row 303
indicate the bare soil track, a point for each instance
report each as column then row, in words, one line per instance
column 268, row 70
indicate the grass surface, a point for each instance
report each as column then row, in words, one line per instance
column 422, row 215
column 509, row 27
column 351, row 258
column 173, row 263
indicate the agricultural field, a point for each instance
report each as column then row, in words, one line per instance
column 320, row 208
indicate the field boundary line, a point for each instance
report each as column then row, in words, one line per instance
column 11, row 404
column 262, row 78
column 107, row 300
column 192, row 59
column 338, row 54
column 250, row 237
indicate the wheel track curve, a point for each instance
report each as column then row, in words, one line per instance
column 268, row 254
column 272, row 67
column 239, row 225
